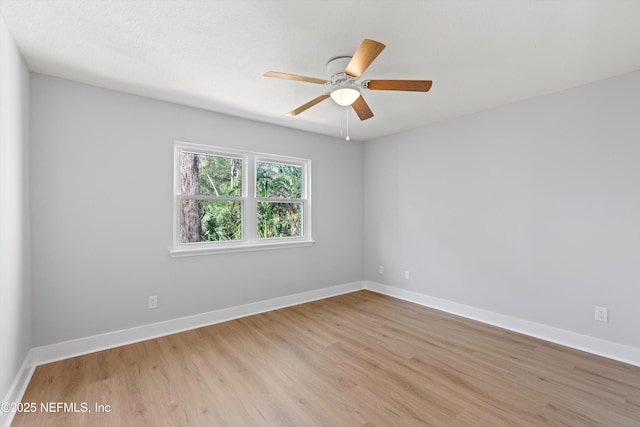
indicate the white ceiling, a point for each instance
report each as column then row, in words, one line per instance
column 212, row 54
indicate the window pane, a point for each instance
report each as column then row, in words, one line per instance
column 278, row 181
column 201, row 174
column 276, row 219
column 210, row 220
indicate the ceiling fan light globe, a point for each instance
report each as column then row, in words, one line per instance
column 345, row 96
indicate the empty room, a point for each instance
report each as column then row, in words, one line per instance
column 319, row 213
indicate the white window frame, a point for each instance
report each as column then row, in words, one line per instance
column 248, row 198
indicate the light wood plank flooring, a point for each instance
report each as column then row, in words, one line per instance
column 360, row 359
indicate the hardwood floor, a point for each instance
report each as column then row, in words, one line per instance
column 360, row 359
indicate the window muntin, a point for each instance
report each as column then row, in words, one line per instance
column 228, row 200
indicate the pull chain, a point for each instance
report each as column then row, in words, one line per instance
column 346, row 109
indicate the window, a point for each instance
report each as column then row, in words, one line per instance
column 210, row 197
column 279, row 199
column 229, row 201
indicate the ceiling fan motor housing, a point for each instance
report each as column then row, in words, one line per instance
column 335, row 70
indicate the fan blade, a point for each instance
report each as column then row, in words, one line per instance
column 296, row 77
column 308, row 105
column 406, row 85
column 362, row 108
column 364, row 56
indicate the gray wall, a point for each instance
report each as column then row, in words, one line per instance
column 530, row 210
column 15, row 296
column 102, row 171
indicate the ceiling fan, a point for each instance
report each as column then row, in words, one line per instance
column 342, row 85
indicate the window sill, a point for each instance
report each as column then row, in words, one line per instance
column 231, row 248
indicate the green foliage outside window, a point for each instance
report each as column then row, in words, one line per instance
column 275, row 218
column 214, row 220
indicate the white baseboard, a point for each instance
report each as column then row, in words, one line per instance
column 609, row 349
column 18, row 387
column 91, row 344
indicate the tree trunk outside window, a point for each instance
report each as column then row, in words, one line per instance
column 190, row 184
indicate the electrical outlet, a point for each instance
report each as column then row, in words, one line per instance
column 602, row 314
column 407, row 275
column 380, row 269
column 153, row 302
